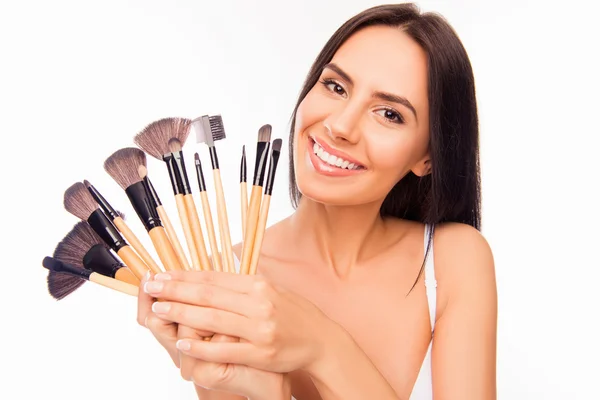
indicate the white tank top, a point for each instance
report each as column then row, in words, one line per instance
column 422, row 389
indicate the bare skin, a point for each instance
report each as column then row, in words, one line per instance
column 336, row 253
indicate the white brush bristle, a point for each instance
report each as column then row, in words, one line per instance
column 198, row 127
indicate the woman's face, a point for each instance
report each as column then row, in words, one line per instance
column 365, row 123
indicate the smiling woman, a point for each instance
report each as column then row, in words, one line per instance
column 348, row 302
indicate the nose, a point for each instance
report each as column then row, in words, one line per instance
column 344, row 123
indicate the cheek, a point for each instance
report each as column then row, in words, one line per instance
column 393, row 156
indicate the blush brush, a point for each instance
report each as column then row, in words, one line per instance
column 123, row 166
column 79, row 202
column 163, row 140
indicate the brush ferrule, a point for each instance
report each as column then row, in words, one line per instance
column 101, row 260
column 141, row 200
column 153, row 192
column 271, row 173
column 103, row 203
column 243, row 169
column 262, row 153
column 214, row 159
column 61, row 267
column 169, row 159
column 180, row 172
column 200, row 175
column 106, row 230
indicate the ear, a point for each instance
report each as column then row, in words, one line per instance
column 423, row 167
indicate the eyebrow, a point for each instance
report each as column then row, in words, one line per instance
column 378, row 94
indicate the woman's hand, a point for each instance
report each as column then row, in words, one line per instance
column 213, row 380
column 279, row 330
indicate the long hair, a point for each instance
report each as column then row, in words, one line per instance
column 452, row 191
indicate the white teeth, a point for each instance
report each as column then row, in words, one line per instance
column 331, row 159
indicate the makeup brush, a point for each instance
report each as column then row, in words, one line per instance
column 82, row 247
column 264, row 207
column 79, row 202
column 243, row 191
column 210, row 228
column 262, row 152
column 123, row 166
column 208, row 130
column 163, row 140
column 59, row 271
column 162, row 213
column 112, row 215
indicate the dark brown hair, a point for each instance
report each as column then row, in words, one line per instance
column 451, row 192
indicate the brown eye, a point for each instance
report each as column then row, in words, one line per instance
column 334, row 87
column 391, row 115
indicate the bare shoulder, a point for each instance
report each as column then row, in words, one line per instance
column 462, row 252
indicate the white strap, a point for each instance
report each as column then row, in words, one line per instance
column 430, row 281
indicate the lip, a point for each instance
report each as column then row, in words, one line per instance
column 329, row 170
column 336, row 152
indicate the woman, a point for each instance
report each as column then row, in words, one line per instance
column 348, row 302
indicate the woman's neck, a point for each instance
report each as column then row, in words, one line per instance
column 339, row 236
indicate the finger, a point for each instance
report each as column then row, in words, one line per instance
column 206, row 319
column 236, row 282
column 144, row 301
column 220, row 352
column 201, row 294
column 187, row 362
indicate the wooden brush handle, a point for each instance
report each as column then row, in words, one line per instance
column 114, row 284
column 260, row 233
column 253, row 210
column 205, row 263
column 136, row 244
column 133, row 261
column 244, row 205
column 124, row 274
column 163, row 247
column 222, row 211
column 187, row 231
column 183, row 261
column 210, row 227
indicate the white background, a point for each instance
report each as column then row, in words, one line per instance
column 79, row 79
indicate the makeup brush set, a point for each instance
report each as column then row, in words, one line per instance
column 102, row 248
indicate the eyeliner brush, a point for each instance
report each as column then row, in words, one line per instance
column 243, row 192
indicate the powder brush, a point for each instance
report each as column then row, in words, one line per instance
column 123, row 166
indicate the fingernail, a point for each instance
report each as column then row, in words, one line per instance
column 160, row 307
column 162, row 277
column 153, row 287
column 183, row 345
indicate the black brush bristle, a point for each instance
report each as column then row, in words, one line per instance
column 60, row 285
column 154, row 139
column 217, row 128
column 123, row 166
column 276, row 146
column 78, row 201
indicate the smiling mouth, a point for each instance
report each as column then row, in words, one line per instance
column 332, row 160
